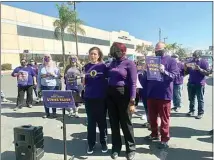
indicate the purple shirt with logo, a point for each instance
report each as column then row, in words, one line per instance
column 123, row 73
column 196, row 77
column 163, row 89
column 25, row 77
column 179, row 79
column 95, row 80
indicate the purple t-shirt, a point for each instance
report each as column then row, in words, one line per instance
column 163, row 89
column 25, row 77
column 95, row 80
column 179, row 79
column 123, row 73
column 196, row 77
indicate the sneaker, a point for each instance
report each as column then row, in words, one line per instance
column 130, row 156
column 30, row 106
column 145, row 124
column 17, row 108
column 104, row 148
column 76, row 115
column 199, row 116
column 54, row 115
column 46, row 116
column 150, row 138
column 176, row 109
column 114, row 155
column 172, row 109
column 90, row 150
column 163, row 145
column 190, row 114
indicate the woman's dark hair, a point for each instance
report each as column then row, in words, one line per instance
column 100, row 53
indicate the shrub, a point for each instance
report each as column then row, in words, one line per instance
column 6, row 66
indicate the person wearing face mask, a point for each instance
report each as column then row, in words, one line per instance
column 48, row 79
column 121, row 94
column 178, row 85
column 26, row 79
column 73, row 80
column 95, row 99
column 143, row 92
column 159, row 96
column 33, row 65
column 197, row 69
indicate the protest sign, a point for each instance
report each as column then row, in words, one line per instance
column 58, row 99
column 153, row 64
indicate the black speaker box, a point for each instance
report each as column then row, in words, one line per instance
column 29, row 142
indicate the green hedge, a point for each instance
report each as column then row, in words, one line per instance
column 6, row 66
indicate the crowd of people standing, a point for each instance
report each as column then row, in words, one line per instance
column 112, row 88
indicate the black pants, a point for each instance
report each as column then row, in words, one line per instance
column 21, row 94
column 118, row 99
column 96, row 114
column 193, row 92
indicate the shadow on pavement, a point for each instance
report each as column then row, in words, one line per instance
column 8, row 155
column 180, row 154
column 185, row 132
column 173, row 114
column 207, row 140
column 209, row 81
column 23, row 115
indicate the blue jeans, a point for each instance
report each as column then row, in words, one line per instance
column 49, row 88
column 177, row 89
column 196, row 90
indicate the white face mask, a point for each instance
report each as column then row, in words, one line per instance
column 110, row 59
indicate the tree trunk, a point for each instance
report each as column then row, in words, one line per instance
column 63, row 48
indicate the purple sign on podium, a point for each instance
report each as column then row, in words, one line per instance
column 153, row 72
column 58, row 99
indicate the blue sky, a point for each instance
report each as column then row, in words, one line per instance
column 187, row 23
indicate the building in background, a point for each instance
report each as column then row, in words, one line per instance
column 33, row 34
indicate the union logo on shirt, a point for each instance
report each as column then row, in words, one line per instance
column 93, row 73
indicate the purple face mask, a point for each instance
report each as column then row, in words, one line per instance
column 73, row 60
column 47, row 59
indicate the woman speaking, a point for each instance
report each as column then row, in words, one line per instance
column 121, row 95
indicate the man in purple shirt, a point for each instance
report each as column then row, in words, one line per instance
column 159, row 96
column 26, row 79
column 178, row 85
column 198, row 69
column 121, row 94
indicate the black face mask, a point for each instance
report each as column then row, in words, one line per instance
column 159, row 53
column 23, row 63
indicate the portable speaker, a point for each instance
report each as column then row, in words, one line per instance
column 29, row 142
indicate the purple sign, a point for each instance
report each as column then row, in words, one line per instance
column 153, row 72
column 58, row 99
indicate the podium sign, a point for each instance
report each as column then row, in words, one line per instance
column 58, row 99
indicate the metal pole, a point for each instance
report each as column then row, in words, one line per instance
column 64, row 134
column 76, row 38
column 159, row 34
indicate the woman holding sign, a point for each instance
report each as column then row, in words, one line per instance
column 49, row 79
column 95, row 94
column 73, row 80
column 26, row 79
column 121, row 96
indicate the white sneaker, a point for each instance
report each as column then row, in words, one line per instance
column 144, row 117
column 76, row 115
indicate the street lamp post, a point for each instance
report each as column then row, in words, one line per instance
column 76, row 38
column 164, row 39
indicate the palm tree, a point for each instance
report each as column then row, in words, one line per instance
column 140, row 48
column 67, row 19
